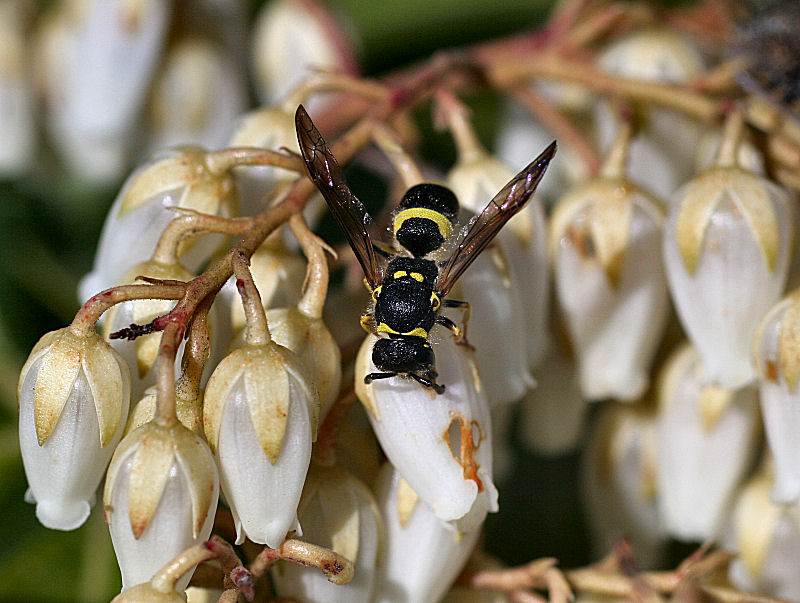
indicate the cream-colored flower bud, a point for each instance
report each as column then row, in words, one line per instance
column 17, row 106
column 775, row 355
column 660, row 157
column 260, row 416
column 147, row 593
column 553, row 414
column 440, row 443
column 475, row 180
column 196, row 96
column 189, row 409
column 727, row 244
column 160, row 498
column 141, row 353
column 278, row 274
column 310, row 339
column 707, row 439
column 619, row 477
column 141, row 211
column 766, row 537
column 74, row 394
column 605, row 242
column 107, row 54
column 289, row 40
column 422, row 555
column 338, row 512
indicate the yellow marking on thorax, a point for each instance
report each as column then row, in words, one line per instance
column 376, row 292
column 435, row 301
column 417, row 276
column 400, row 273
column 445, row 228
column 418, row 332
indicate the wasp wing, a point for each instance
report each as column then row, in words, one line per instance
column 350, row 213
column 485, row 227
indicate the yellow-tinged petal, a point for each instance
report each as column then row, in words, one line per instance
column 406, row 501
column 41, row 348
column 165, row 174
column 610, row 224
column 107, row 375
column 340, row 510
column 714, row 402
column 205, row 196
column 363, row 366
column 55, row 380
column 149, row 473
column 753, row 200
column 225, row 376
column 198, row 467
column 756, row 518
column 696, row 210
column 789, row 345
column 266, row 384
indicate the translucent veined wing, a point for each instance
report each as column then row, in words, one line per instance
column 349, row 212
column 485, row 227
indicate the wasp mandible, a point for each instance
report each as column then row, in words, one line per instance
column 409, row 291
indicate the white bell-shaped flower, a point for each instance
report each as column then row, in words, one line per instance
column 707, row 439
column 766, row 537
column 108, row 54
column 440, row 443
column 338, row 512
column 605, row 241
column 422, row 555
column 727, row 245
column 260, row 416
column 553, row 414
column 176, row 178
column 196, row 96
column 17, row 105
column 775, row 356
column 660, row 157
column 74, row 394
column 475, row 179
column 160, row 498
column 619, row 477
column 291, row 38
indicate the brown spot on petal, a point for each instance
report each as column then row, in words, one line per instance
column 771, row 370
column 467, row 447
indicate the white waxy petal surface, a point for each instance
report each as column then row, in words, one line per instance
column 615, row 330
column 422, row 556
column 732, row 287
column 263, row 497
column 168, row 533
column 413, row 426
column 702, row 457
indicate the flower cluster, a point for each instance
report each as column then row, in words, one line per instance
column 220, row 397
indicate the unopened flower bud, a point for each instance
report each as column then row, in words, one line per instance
column 260, row 416
column 777, row 363
column 282, row 58
column 726, row 250
column 440, row 443
column 475, row 180
column 160, row 498
column 605, row 241
column 337, row 512
column 619, row 471
column 707, row 438
column 422, row 555
column 310, row 339
column 74, row 394
column 196, row 96
column 766, row 537
column 141, row 211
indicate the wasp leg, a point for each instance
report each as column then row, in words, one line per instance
column 368, row 324
column 461, row 335
column 373, row 376
column 438, row 388
column 449, row 324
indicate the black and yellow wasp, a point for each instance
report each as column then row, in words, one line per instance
column 410, row 290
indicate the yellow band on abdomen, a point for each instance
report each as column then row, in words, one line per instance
column 445, row 228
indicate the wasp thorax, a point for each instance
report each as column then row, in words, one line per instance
column 425, row 218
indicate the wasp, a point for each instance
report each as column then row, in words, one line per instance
column 409, row 289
